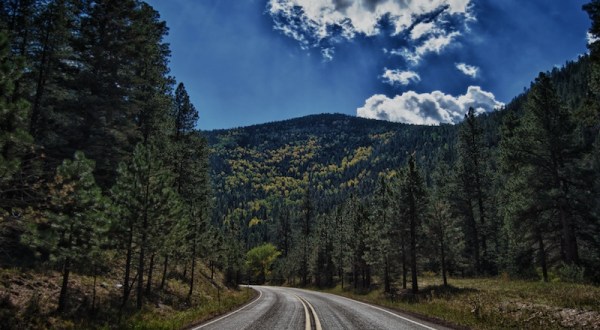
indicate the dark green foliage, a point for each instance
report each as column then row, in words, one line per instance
column 73, row 227
column 14, row 113
column 413, row 202
column 92, row 76
column 147, row 205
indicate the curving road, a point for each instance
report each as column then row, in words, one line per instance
column 288, row 308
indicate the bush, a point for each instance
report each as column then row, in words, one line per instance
column 571, row 273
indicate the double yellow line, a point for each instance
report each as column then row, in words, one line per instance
column 308, row 322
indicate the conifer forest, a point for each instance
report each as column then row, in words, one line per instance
column 114, row 204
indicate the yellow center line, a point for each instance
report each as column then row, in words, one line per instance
column 307, row 316
column 317, row 321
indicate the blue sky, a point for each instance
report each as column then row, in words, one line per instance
column 252, row 61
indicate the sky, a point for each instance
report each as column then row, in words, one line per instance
column 247, row 62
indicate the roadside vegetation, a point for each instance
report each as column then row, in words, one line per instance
column 28, row 300
column 494, row 303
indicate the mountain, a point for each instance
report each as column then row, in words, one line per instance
column 339, row 154
column 254, row 166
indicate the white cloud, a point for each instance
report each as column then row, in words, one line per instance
column 397, row 77
column 469, row 70
column 591, row 38
column 428, row 108
column 321, row 23
column 434, row 44
column 422, row 29
column 327, row 53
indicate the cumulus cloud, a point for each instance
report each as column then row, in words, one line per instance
column 469, row 70
column 428, row 108
column 398, row 77
column 322, row 23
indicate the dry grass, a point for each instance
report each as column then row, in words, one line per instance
column 28, row 300
column 497, row 303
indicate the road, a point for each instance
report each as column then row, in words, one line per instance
column 288, row 308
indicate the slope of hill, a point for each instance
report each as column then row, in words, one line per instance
column 338, row 154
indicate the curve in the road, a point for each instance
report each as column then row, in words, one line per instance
column 288, row 308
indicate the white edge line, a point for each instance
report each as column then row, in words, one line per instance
column 391, row 313
column 375, row 307
column 228, row 315
column 306, row 315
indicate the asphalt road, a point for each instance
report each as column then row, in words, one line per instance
column 288, row 308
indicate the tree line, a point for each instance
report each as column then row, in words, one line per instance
column 101, row 165
column 515, row 192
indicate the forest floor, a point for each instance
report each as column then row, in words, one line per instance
column 28, row 300
column 494, row 303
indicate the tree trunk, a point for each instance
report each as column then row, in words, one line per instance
column 40, row 86
column 126, row 289
column 571, row 255
column 474, row 239
column 164, row 274
column 443, row 255
column 94, row 291
column 62, row 298
column 140, row 283
column 386, row 277
column 542, row 254
column 192, row 270
column 413, row 247
column 150, row 271
column 404, row 268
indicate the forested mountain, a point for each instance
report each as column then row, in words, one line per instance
column 339, row 154
column 277, row 182
column 103, row 174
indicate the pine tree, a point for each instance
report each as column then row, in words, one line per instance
column 379, row 234
column 143, row 192
column 306, row 230
column 471, row 197
column 14, row 138
column 323, row 266
column 442, row 226
column 413, row 198
column 543, row 152
column 75, row 221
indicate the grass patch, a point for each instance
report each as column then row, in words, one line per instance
column 206, row 309
column 496, row 303
column 28, row 300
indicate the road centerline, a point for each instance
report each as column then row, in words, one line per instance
column 314, row 313
column 307, row 322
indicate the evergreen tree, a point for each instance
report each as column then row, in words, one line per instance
column 413, row 198
column 442, row 226
column 143, row 192
column 471, row 197
column 14, row 138
column 323, row 266
column 544, row 150
column 379, row 234
column 306, row 230
column 74, row 222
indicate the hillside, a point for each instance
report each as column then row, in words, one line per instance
column 254, row 166
column 279, row 182
column 339, row 154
